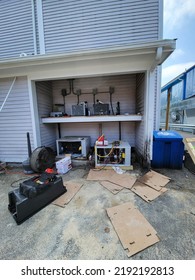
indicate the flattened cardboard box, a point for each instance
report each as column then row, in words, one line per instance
column 154, row 180
column 123, row 180
column 113, row 188
column 145, row 192
column 72, row 189
column 132, row 228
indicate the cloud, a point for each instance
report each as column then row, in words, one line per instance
column 176, row 12
column 171, row 72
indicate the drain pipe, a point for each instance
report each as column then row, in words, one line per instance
column 10, row 89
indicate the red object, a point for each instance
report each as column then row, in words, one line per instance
column 49, row 170
column 101, row 138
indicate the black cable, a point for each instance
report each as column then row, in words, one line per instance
column 21, row 179
column 111, row 103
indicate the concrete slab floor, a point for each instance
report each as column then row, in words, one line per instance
column 83, row 231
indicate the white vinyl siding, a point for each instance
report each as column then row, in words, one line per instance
column 16, row 29
column 88, row 24
column 15, row 120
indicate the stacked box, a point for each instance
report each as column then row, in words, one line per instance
column 63, row 165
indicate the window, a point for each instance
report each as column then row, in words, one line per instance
column 190, row 83
column 177, row 92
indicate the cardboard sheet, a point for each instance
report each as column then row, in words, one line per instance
column 154, row 180
column 132, row 228
column 123, row 180
column 113, row 188
column 145, row 192
column 72, row 189
column 100, row 175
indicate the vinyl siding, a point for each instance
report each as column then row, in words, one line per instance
column 88, row 24
column 125, row 86
column 16, row 29
column 139, row 133
column 15, row 120
column 45, row 106
column 36, row 27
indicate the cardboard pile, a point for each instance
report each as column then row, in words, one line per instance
column 132, row 228
column 148, row 187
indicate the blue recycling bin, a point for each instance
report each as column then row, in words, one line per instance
column 168, row 149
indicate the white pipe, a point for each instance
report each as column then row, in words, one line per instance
column 8, row 94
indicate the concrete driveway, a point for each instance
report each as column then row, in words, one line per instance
column 83, row 231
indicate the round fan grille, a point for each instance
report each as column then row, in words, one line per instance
column 42, row 158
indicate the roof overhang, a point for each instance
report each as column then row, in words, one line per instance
column 121, row 59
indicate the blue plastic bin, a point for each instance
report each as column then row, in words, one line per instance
column 168, row 149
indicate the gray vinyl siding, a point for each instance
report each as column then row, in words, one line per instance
column 140, row 92
column 15, row 120
column 125, row 86
column 88, row 24
column 16, row 29
column 45, row 106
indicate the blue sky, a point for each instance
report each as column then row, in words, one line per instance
column 179, row 22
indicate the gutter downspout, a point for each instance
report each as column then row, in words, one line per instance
column 158, row 57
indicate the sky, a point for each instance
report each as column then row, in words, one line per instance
column 179, row 22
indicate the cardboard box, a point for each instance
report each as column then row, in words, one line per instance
column 63, row 165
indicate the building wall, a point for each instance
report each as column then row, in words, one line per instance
column 16, row 29
column 45, row 106
column 125, row 93
column 182, row 101
column 89, row 24
column 42, row 26
column 15, row 120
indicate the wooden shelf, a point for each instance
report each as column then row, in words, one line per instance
column 92, row 119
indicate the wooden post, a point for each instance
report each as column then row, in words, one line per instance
column 168, row 109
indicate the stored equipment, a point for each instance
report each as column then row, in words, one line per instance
column 56, row 114
column 34, row 194
column 77, row 146
column 117, row 153
column 101, row 109
column 42, row 158
column 80, row 109
column 168, row 149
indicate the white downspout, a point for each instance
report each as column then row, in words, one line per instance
column 149, row 115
